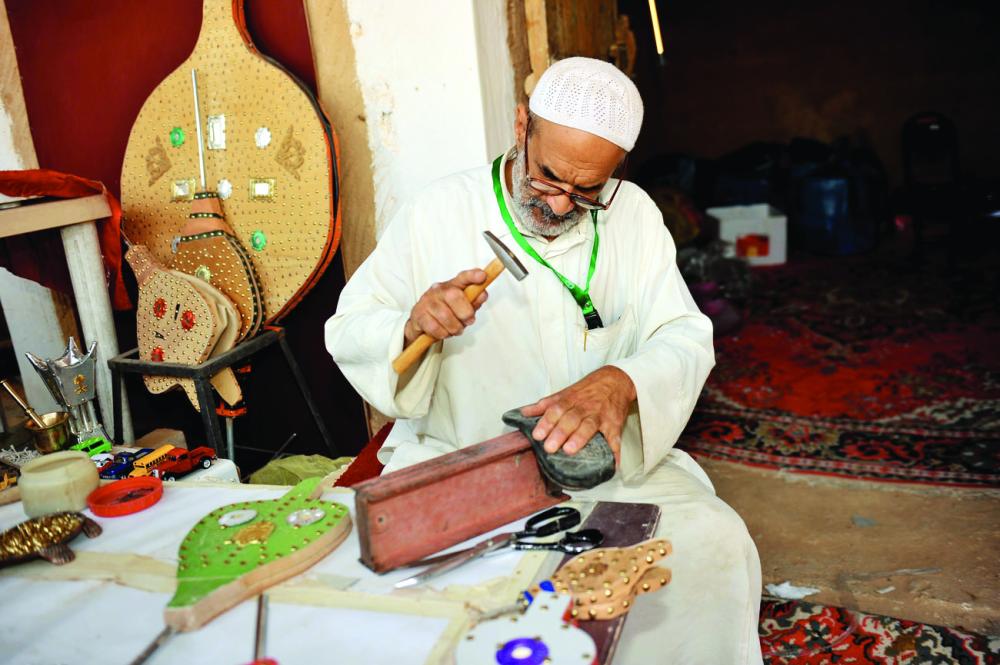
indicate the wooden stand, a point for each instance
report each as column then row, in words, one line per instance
column 128, row 363
column 75, row 219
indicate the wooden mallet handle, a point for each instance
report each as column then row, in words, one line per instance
column 414, row 351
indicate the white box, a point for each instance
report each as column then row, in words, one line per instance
column 757, row 233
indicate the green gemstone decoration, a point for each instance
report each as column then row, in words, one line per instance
column 203, row 273
column 177, row 137
column 258, row 240
column 213, row 555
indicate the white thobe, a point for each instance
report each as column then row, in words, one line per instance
column 528, row 341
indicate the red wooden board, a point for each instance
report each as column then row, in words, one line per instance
column 423, row 509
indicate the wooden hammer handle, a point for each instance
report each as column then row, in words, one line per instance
column 414, row 351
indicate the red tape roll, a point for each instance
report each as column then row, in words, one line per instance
column 124, row 497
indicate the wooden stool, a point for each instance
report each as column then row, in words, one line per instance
column 128, row 363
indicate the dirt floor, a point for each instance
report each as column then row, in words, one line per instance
column 906, row 551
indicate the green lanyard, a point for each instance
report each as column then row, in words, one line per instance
column 581, row 296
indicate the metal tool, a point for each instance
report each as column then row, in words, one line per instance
column 544, row 523
column 505, row 259
column 261, row 635
column 573, row 542
column 158, row 641
column 197, row 125
column 23, row 403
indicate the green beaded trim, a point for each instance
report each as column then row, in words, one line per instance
column 202, row 236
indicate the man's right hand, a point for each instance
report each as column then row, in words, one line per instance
column 443, row 311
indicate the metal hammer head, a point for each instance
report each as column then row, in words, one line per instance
column 506, row 256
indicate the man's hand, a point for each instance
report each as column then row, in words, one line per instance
column 443, row 311
column 599, row 401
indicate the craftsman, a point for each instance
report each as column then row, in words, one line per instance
column 630, row 365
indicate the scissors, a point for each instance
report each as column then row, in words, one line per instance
column 544, row 523
column 573, row 542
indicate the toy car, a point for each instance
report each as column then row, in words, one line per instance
column 102, row 461
column 94, row 446
column 179, row 462
column 145, row 465
column 122, row 465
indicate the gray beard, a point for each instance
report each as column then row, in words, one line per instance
column 525, row 204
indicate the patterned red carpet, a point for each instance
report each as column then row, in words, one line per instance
column 853, row 368
column 797, row 633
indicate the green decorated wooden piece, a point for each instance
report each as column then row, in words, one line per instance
column 237, row 551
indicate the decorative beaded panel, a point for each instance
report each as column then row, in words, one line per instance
column 218, row 259
column 175, row 322
column 239, row 550
column 282, row 202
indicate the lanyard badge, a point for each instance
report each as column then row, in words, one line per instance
column 581, row 296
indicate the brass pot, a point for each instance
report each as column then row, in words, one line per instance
column 55, row 435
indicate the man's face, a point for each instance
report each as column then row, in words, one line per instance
column 537, row 215
column 573, row 160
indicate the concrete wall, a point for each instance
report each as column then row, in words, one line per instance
column 438, row 90
column 415, row 91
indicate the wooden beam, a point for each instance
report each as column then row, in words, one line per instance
column 423, row 509
column 538, row 41
column 12, row 100
column 39, row 214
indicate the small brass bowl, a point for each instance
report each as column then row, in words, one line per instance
column 55, row 435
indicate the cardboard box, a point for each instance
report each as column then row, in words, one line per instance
column 758, row 233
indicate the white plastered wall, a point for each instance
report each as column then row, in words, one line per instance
column 438, row 90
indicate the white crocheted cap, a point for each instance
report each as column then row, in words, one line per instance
column 591, row 95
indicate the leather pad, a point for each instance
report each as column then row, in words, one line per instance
column 589, row 467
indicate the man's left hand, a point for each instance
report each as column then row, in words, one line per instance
column 599, row 402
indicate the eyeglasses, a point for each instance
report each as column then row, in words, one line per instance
column 546, row 188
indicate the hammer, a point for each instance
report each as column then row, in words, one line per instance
column 505, row 259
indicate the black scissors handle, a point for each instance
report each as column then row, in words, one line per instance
column 573, row 542
column 553, row 520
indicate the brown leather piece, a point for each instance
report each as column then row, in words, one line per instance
column 605, row 581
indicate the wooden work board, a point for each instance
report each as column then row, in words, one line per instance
column 420, row 510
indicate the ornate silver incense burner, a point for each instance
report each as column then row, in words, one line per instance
column 70, row 379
